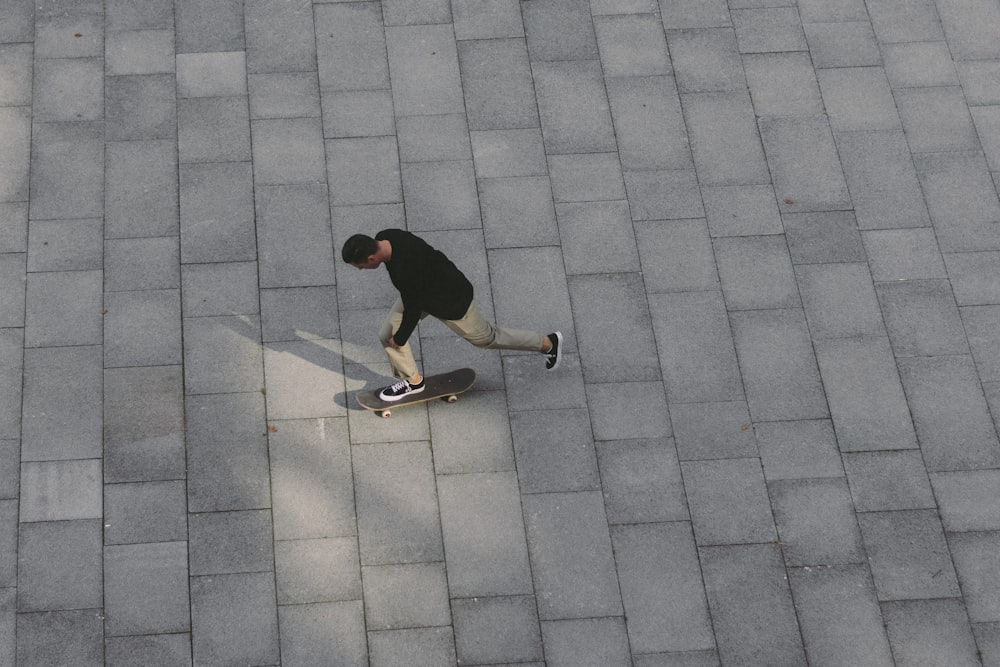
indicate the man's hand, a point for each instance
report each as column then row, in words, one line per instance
column 393, row 344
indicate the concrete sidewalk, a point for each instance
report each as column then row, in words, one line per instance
column 769, row 230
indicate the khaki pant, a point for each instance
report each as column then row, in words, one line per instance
column 472, row 327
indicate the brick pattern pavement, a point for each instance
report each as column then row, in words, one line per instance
column 769, row 229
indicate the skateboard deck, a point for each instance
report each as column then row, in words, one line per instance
column 446, row 386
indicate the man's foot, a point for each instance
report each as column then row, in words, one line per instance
column 401, row 389
column 554, row 354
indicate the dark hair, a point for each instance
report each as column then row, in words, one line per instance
column 358, row 249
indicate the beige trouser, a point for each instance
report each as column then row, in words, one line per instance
column 472, row 327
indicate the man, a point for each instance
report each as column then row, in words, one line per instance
column 430, row 284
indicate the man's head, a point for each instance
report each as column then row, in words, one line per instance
column 360, row 251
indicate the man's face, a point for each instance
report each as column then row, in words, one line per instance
column 370, row 263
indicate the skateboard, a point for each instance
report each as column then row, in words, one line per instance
column 446, row 386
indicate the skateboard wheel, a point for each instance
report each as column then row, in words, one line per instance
column 385, row 414
column 451, row 399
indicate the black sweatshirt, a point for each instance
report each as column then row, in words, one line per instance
column 427, row 280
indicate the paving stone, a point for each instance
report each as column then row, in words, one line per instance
column 586, row 642
column 649, row 123
column 10, row 464
column 842, row 44
column 903, row 254
column 483, row 535
column 816, row 523
column 351, row 47
column 141, row 189
column 980, row 328
column 613, row 407
column 676, row 256
column 284, row 95
column 221, row 74
column 146, row 588
column 839, row 300
column 798, row 450
column 694, row 14
column 56, row 23
column 213, row 129
column 398, row 12
column 713, row 430
column 61, row 417
column 908, row 555
column 865, row 396
column 13, row 226
column 234, row 619
column 659, row 574
column 386, row 533
column 555, row 451
column 17, row 62
column 497, row 83
column 230, row 542
column 883, row 481
column 605, row 224
column 979, row 80
column 299, row 313
column 936, row 119
column 145, row 512
column 141, row 107
column 405, row 596
column 531, row 387
column 724, row 139
column 418, row 646
column 858, row 98
column 752, row 611
column 728, row 501
column 474, row 20
column 300, row 375
column 204, row 26
column 360, row 113
column 970, row 29
column 173, row 650
column 839, row 615
column 142, row 328
column 66, row 245
column 18, row 21
column 919, row 65
column 975, row 556
column 500, row 153
column 530, row 290
column 139, row 52
column 15, row 146
column 683, row 659
column 8, row 547
column 573, row 106
column 949, row 180
column 217, row 213
column 279, row 36
column 756, row 272
column 63, row 308
column 425, row 73
column 363, row 171
column 905, row 21
column 935, row 630
column 306, row 636
column 632, row 45
column 48, row 638
column 819, row 238
column 641, row 481
column 14, row 279
column 143, row 424
column 586, row 177
column 433, row 138
column 922, row 318
column 987, row 121
column 226, row 453
column 571, row 556
column 225, row 288
column 695, row 345
column 11, row 374
column 814, row 11
column 611, row 7
column 517, row 212
column 968, row 500
column 312, row 488
column 559, row 30
column 768, row 30
column 973, row 277
column 59, row 565
column 222, row 354
column 782, row 84
column 804, row 165
column 664, row 194
column 60, row 490
column 67, row 169
column 490, row 629
column 441, row 195
column 986, row 635
column 288, row 151
column 290, row 219
column 317, row 570
column 706, row 60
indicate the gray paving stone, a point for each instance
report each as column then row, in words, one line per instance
column 531, row 387
column 919, row 65
column 814, row 11
column 706, row 60
column 8, row 547
column 839, row 615
column 405, row 596
column 782, row 84
column 363, row 171
column 351, row 47
column 571, row 556
column 311, row 454
column 67, row 170
column 500, row 153
column 138, row 107
column 530, row 290
column 358, row 113
column 798, row 450
column 970, row 29
column 499, row 628
column 612, row 7
column 817, row 238
column 586, row 177
column 300, row 376
column 949, row 180
column 713, row 430
column 768, row 30
column 63, row 308
column 204, row 26
column 904, row 21
column 226, row 288
column 317, row 570
column 15, row 146
column 142, row 328
column 756, row 272
column 464, row 445
column 517, row 211
column 234, row 619
column 497, row 83
column 441, row 195
column 778, row 365
column 649, row 124
column 865, row 396
column 986, row 635
column 883, row 481
column 56, row 23
column 922, row 318
column 974, row 277
column 221, row 74
column 475, row 20
column 682, row 659
column 980, row 327
column 13, row 274
column 613, row 407
column 724, row 139
column 555, row 451
column 424, row 70
column 858, row 98
column 299, row 313
column 60, row 490
column 936, row 119
column 139, row 52
column 815, row 521
column 573, row 106
column 222, row 354
column 171, row 650
column 213, row 129
column 284, row 95
column 62, row 636
column 842, row 44
column 641, row 481
column 16, row 60
column 586, row 642
column 694, row 14
column 8, row 624
column 625, row 354
column 903, row 254
column 398, row 12
column 306, row 636
column 976, row 555
column 979, row 81
column 559, row 30
column 433, row 138
column 728, row 501
column 230, row 542
column 659, row 574
column 279, row 36
column 483, row 535
column 804, row 165
column 402, row 526
column 143, row 424
column 59, row 565
column 632, row 45
column 288, row 151
column 607, row 225
column 145, row 512
column 226, row 453
column 146, row 588
column 742, row 210
column 61, row 415
column 936, row 630
column 217, row 213
column 65, row 245
column 968, row 500
column 14, row 226
column 752, row 610
column 676, row 256
column 664, row 194
column 908, row 555
column 10, row 465
column 11, row 371
column 987, row 121
column 418, row 646
column 695, row 345
column 140, row 197
column 18, row 21
column 839, row 300
column 124, row 15
column 291, row 219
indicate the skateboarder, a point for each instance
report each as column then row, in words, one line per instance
column 430, row 284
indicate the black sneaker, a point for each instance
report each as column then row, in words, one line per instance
column 401, row 389
column 554, row 355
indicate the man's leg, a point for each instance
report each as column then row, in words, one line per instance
column 403, row 365
column 475, row 329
